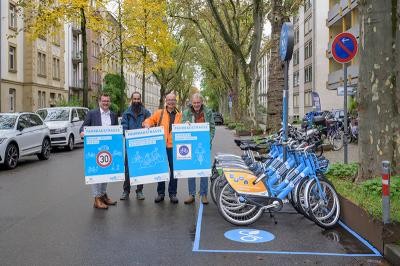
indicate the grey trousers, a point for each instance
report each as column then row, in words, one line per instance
column 99, row 190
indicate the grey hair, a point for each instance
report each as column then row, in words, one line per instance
column 198, row 96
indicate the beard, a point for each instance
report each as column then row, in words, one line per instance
column 136, row 107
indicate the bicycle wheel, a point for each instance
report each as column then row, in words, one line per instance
column 337, row 141
column 216, row 186
column 323, row 202
column 245, row 215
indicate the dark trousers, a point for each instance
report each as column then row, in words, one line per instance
column 127, row 184
column 173, row 183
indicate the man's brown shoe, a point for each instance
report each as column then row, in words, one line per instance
column 189, row 200
column 99, row 204
column 204, row 199
column 107, row 200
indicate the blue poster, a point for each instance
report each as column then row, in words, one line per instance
column 103, row 154
column 191, row 150
column 147, row 156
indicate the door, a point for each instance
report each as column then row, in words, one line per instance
column 28, row 137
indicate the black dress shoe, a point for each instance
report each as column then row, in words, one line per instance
column 124, row 196
column 159, row 198
column 173, row 199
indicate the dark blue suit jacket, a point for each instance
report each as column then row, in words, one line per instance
column 93, row 118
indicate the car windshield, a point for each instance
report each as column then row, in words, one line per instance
column 54, row 114
column 7, row 121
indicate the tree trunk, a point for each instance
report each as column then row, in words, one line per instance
column 121, row 61
column 275, row 78
column 378, row 101
column 84, row 60
column 144, row 76
column 236, row 112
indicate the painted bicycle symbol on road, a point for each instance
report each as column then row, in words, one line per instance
column 249, row 235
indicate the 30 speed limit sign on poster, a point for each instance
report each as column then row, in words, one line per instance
column 103, row 155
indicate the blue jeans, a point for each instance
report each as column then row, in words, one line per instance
column 173, row 183
column 203, row 186
column 99, row 190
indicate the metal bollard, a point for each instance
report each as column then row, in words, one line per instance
column 386, row 192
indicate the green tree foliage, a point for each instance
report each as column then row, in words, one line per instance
column 112, row 85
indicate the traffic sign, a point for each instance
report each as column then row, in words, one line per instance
column 286, row 42
column 344, row 47
column 350, row 91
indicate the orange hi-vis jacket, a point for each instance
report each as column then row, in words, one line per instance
column 154, row 120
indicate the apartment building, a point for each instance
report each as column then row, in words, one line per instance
column 33, row 74
column 134, row 83
column 309, row 67
column 343, row 16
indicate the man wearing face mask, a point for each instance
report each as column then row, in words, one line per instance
column 133, row 118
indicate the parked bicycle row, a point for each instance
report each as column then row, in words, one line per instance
column 244, row 187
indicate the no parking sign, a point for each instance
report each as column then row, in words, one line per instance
column 344, row 47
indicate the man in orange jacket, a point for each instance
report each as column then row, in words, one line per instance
column 166, row 117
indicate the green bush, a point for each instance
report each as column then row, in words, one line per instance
column 366, row 194
column 342, row 171
column 232, row 125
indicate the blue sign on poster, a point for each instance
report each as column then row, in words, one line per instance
column 147, row 157
column 191, row 150
column 103, row 154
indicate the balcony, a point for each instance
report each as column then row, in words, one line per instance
column 76, row 28
column 355, row 30
column 335, row 79
column 339, row 10
column 77, row 84
column 77, row 56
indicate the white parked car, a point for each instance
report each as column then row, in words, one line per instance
column 22, row 134
column 64, row 124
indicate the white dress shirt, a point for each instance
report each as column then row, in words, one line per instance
column 105, row 118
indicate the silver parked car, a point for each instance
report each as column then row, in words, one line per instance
column 22, row 134
column 64, row 124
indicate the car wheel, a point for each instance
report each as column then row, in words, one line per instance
column 45, row 153
column 71, row 143
column 11, row 156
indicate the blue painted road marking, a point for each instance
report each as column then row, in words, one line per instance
column 249, row 235
column 196, row 245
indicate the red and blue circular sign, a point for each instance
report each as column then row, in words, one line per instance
column 344, row 47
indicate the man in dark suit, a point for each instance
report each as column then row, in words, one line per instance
column 101, row 116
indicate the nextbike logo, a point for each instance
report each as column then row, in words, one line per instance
column 184, row 151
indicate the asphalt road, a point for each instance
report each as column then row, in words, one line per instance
column 47, row 218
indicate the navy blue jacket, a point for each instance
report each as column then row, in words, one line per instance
column 129, row 121
column 93, row 118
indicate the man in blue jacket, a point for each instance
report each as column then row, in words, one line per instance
column 133, row 118
column 101, row 116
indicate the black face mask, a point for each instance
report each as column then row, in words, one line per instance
column 136, row 107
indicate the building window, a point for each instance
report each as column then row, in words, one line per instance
column 296, row 57
column 41, row 99
column 296, row 36
column 308, row 74
column 56, row 68
column 296, row 79
column 56, row 38
column 295, row 100
column 41, row 64
column 12, row 58
column 308, row 25
column 307, row 99
column 12, row 17
column 307, row 5
column 12, row 100
column 308, row 49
